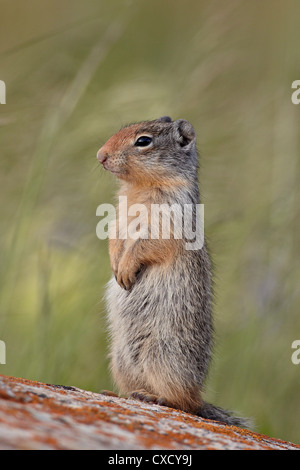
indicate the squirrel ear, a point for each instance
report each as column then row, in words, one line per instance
column 184, row 133
column 165, row 119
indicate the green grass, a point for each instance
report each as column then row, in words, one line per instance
column 76, row 72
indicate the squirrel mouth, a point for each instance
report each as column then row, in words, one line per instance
column 112, row 170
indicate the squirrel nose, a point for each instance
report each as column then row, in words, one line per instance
column 102, row 156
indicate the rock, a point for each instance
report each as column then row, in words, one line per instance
column 39, row 416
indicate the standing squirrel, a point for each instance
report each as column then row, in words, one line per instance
column 159, row 300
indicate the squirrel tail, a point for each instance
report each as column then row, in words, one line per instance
column 209, row 411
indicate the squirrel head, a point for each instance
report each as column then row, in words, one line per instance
column 156, row 152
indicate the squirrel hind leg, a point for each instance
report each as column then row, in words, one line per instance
column 144, row 395
column 148, row 397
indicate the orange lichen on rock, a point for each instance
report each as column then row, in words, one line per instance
column 34, row 415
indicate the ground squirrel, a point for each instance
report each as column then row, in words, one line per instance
column 159, row 299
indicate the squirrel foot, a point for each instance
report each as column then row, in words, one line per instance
column 148, row 397
column 108, row 393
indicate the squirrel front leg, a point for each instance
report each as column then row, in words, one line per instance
column 141, row 253
column 116, row 245
column 116, row 248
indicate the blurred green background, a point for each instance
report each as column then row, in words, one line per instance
column 75, row 73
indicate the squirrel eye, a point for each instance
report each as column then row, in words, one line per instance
column 143, row 141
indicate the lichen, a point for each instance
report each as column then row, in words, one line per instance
column 34, row 415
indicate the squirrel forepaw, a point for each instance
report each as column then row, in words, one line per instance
column 127, row 273
column 125, row 280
